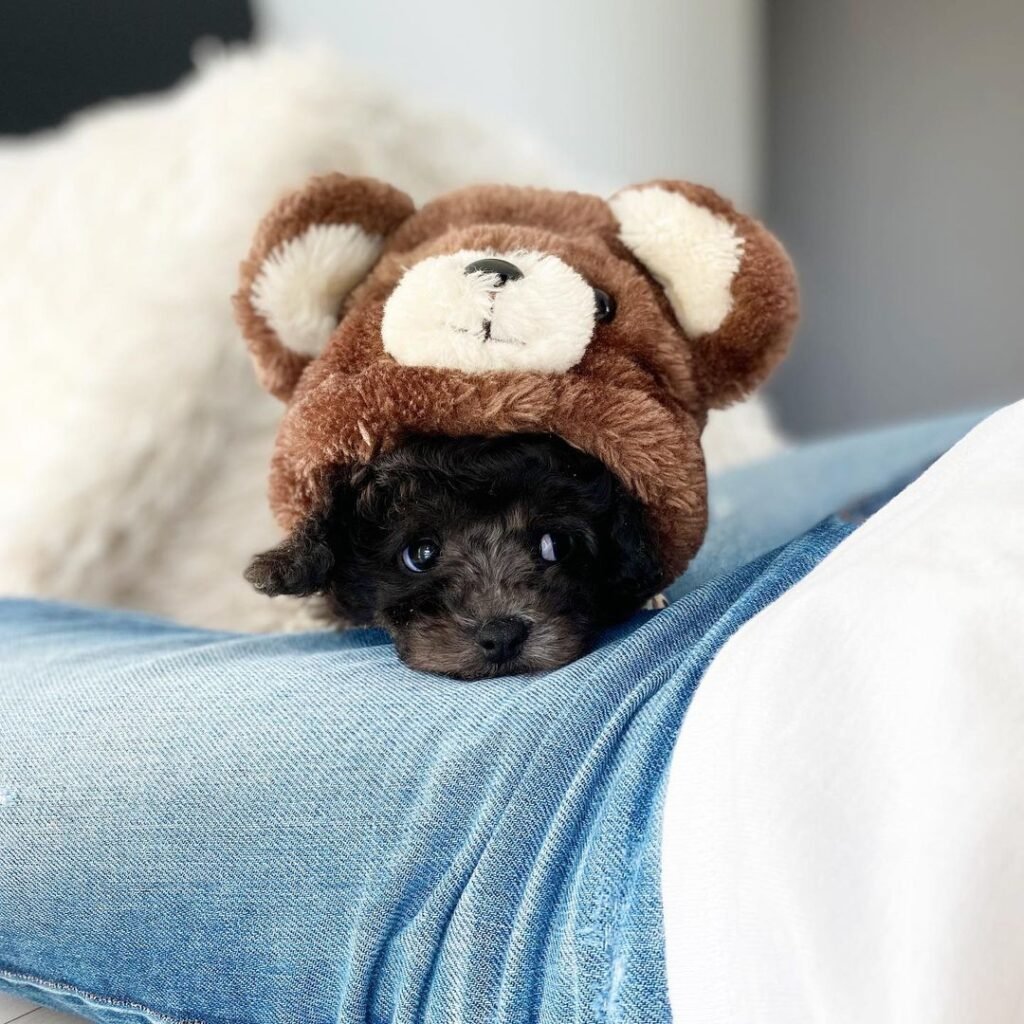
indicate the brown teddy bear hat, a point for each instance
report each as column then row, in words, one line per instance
column 492, row 310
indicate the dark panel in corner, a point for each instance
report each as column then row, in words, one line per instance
column 58, row 56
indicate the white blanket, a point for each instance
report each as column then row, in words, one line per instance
column 844, row 825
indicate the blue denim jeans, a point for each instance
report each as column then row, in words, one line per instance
column 226, row 828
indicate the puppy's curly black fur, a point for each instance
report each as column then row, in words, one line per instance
column 481, row 556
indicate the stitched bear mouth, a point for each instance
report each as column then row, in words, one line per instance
column 487, row 336
column 500, row 341
column 486, row 324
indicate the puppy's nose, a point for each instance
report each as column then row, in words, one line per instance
column 504, row 270
column 502, row 639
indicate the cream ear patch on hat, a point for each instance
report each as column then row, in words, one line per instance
column 479, row 311
column 302, row 283
column 692, row 252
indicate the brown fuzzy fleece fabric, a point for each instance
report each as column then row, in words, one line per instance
column 637, row 400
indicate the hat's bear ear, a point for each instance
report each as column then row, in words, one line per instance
column 310, row 250
column 729, row 281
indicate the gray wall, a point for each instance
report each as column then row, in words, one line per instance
column 622, row 92
column 895, row 172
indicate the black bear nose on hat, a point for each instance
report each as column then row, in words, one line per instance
column 502, row 269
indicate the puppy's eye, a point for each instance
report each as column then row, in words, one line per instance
column 555, row 546
column 604, row 306
column 421, row 555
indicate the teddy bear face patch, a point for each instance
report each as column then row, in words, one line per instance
column 479, row 311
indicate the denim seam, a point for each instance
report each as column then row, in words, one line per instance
column 615, row 944
column 100, row 1002
column 640, row 693
column 427, row 985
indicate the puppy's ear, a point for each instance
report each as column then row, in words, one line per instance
column 299, row 566
column 728, row 280
column 634, row 571
column 309, row 252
